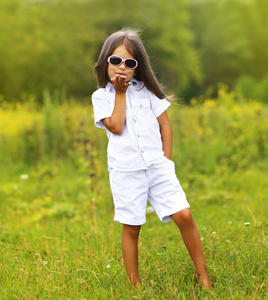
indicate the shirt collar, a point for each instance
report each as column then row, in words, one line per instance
column 134, row 82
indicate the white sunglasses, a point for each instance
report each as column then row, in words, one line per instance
column 130, row 63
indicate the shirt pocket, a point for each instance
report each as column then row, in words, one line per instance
column 142, row 108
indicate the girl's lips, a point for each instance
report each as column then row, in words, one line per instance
column 121, row 74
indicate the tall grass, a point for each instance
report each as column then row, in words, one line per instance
column 57, row 237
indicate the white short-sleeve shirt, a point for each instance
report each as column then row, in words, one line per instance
column 140, row 143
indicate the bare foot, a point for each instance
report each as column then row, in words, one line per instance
column 203, row 280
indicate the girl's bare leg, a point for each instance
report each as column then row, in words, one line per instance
column 184, row 220
column 130, row 238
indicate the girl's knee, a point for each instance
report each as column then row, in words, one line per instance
column 131, row 231
column 183, row 217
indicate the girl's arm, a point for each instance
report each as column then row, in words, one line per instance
column 116, row 122
column 166, row 134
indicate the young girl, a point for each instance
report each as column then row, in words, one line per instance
column 131, row 105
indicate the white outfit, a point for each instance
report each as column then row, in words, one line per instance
column 138, row 168
column 158, row 183
column 140, row 144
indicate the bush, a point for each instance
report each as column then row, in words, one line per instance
column 220, row 134
column 254, row 88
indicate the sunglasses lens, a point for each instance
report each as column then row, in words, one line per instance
column 131, row 63
column 115, row 60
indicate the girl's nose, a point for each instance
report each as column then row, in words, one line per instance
column 122, row 66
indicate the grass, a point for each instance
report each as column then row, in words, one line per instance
column 58, row 240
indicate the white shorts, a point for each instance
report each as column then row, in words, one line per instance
column 158, row 184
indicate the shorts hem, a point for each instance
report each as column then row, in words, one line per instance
column 130, row 222
column 167, row 217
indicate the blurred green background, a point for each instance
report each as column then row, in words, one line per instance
column 193, row 45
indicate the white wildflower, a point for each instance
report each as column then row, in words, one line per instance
column 108, row 266
column 214, row 233
column 246, row 224
column 45, row 262
column 150, row 209
column 24, row 176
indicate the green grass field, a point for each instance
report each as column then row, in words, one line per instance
column 57, row 235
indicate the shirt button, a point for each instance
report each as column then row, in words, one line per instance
column 138, row 135
column 141, row 105
column 142, row 151
column 135, row 120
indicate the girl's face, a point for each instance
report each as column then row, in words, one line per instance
column 122, row 52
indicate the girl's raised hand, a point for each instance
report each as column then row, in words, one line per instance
column 119, row 83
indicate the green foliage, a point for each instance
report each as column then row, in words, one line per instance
column 223, row 127
column 193, row 45
column 254, row 88
column 49, row 45
column 54, row 44
column 58, row 239
column 231, row 38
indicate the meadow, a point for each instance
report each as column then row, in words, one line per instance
column 57, row 235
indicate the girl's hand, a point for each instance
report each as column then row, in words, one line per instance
column 119, row 83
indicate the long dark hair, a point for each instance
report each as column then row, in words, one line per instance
column 134, row 45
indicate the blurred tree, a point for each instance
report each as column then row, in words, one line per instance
column 193, row 44
column 254, row 18
column 48, row 48
column 54, row 44
column 231, row 38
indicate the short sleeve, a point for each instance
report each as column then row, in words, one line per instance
column 158, row 105
column 102, row 107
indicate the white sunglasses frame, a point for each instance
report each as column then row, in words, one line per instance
column 123, row 61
